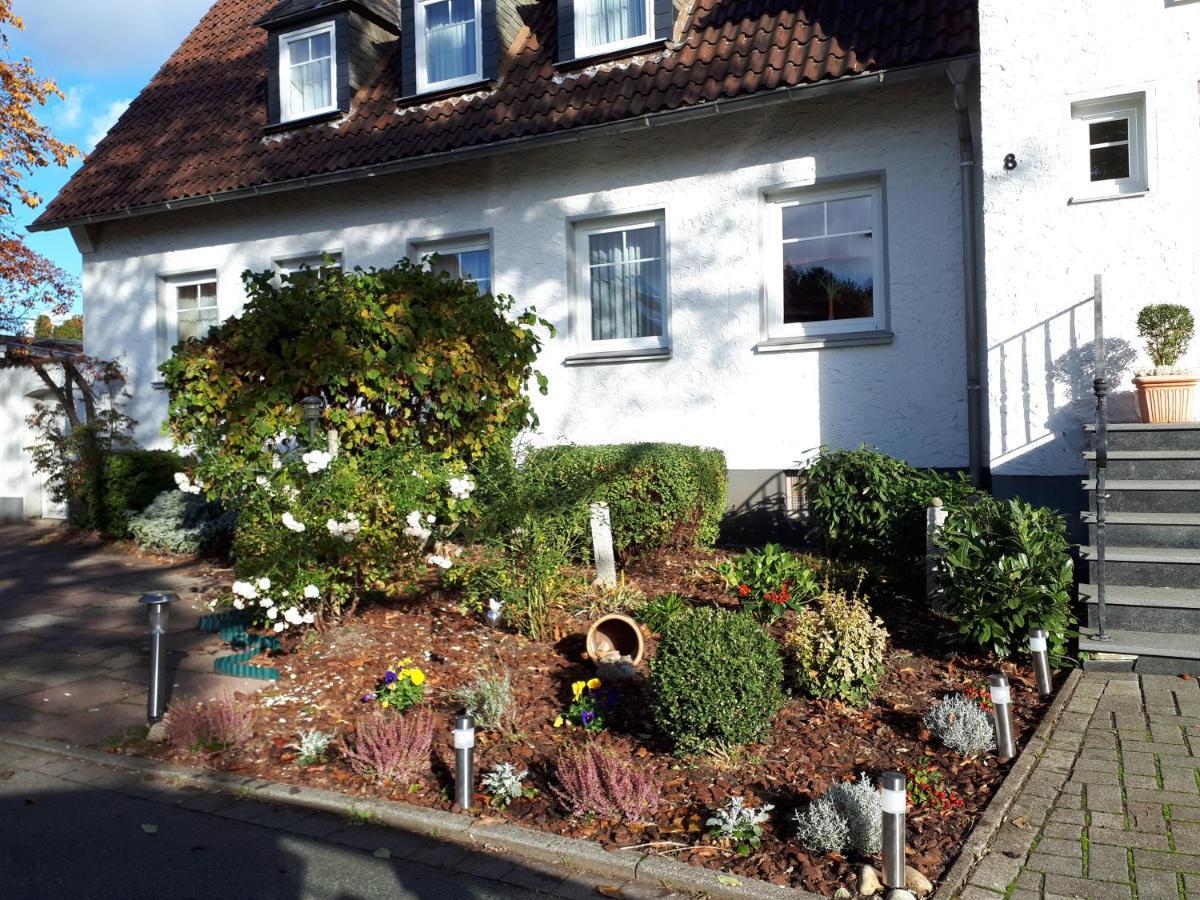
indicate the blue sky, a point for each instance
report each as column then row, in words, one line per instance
column 101, row 53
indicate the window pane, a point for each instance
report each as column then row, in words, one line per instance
column 186, row 297
column 1110, row 162
column 829, row 278
column 196, row 309
column 311, row 87
column 476, row 265
column 805, row 220
column 446, row 262
column 1108, row 132
column 449, row 39
column 608, row 21
column 627, row 283
column 853, row 214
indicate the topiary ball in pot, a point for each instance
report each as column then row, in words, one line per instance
column 717, row 679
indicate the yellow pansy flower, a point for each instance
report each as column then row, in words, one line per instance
column 594, row 684
column 558, row 722
column 577, row 688
column 416, row 676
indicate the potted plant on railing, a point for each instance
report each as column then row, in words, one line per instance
column 1165, row 393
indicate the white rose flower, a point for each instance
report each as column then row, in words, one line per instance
column 245, row 589
column 276, row 462
column 442, row 562
column 266, row 602
column 264, row 584
column 316, row 461
column 239, row 604
column 290, row 523
column 309, row 618
column 273, row 612
column 261, row 480
column 431, row 518
column 279, row 626
column 461, row 488
column 312, row 592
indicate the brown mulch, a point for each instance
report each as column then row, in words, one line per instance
column 812, row 745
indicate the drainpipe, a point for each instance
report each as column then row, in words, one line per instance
column 958, row 72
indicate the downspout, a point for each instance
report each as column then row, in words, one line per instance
column 958, row 72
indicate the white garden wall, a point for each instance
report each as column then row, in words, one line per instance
column 1042, row 250
column 765, row 410
column 20, row 486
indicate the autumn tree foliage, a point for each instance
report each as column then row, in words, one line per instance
column 28, row 280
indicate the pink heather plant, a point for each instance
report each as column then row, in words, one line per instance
column 213, row 726
column 388, row 747
column 597, row 782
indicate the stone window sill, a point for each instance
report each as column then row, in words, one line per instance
column 608, row 357
column 820, row 342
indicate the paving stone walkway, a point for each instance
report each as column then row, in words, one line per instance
column 1112, row 809
column 74, row 652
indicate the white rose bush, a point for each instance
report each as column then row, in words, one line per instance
column 317, row 533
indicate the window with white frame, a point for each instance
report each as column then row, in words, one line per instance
column 1110, row 146
column 825, row 262
column 449, row 43
column 604, row 25
column 307, row 72
column 320, row 263
column 469, row 260
column 194, row 307
column 621, row 284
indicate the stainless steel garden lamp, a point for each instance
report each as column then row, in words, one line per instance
column 158, row 605
column 894, row 800
column 311, row 408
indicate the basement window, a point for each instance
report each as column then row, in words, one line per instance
column 1110, row 157
column 307, row 72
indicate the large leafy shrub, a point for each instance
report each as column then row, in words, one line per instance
column 183, row 523
column 315, row 533
column 1005, row 569
column 400, row 356
column 717, row 679
column 769, row 582
column 658, row 494
column 865, row 505
column 837, row 648
column 105, row 493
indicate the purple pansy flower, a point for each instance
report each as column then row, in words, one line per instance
column 390, row 677
column 368, row 697
column 587, row 717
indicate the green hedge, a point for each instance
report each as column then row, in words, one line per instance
column 658, row 494
column 121, row 484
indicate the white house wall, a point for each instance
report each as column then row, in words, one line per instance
column 765, row 410
column 1041, row 250
column 20, row 487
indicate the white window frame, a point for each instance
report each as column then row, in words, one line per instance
column 775, row 202
column 471, row 243
column 581, row 299
column 285, row 81
column 173, row 284
column 423, row 85
column 289, row 264
column 1084, row 113
column 583, row 50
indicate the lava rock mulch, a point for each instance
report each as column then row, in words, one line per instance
column 813, row 744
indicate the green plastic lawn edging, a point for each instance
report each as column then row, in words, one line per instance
column 230, row 626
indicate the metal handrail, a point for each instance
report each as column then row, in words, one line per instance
column 1100, row 387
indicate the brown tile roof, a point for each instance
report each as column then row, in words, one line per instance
column 197, row 129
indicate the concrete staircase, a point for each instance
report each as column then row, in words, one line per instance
column 1152, row 596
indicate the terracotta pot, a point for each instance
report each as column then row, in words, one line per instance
column 615, row 632
column 1166, row 398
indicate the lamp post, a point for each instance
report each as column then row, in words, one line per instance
column 1041, row 661
column 311, row 408
column 894, row 800
column 1001, row 705
column 158, row 605
column 464, row 761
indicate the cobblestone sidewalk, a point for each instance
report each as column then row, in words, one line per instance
column 1112, row 809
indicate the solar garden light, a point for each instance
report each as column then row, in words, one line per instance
column 1041, row 661
column 464, row 761
column 310, row 411
column 1001, row 705
column 159, row 607
column 894, row 800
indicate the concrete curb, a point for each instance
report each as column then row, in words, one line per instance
column 993, row 817
column 535, row 846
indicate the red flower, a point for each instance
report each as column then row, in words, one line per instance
column 743, row 590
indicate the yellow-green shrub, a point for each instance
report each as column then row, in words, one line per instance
column 836, row 649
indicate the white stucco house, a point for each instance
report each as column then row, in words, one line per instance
column 760, row 226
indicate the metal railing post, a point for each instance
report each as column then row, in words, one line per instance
column 1100, row 387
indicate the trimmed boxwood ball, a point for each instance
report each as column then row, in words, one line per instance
column 717, row 679
column 122, row 484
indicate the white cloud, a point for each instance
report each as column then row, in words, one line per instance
column 100, row 123
column 104, row 36
column 69, row 113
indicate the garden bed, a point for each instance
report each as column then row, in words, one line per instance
column 812, row 744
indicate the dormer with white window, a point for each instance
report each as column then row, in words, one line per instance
column 319, row 53
column 598, row 29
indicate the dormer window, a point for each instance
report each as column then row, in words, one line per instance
column 449, row 42
column 602, row 26
column 307, row 72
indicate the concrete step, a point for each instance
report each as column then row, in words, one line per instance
column 1147, row 529
column 1142, row 643
column 1158, row 567
column 1163, row 610
column 1145, row 495
column 1138, row 436
column 1151, row 465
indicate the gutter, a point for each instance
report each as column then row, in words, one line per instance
column 625, row 126
column 958, row 71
